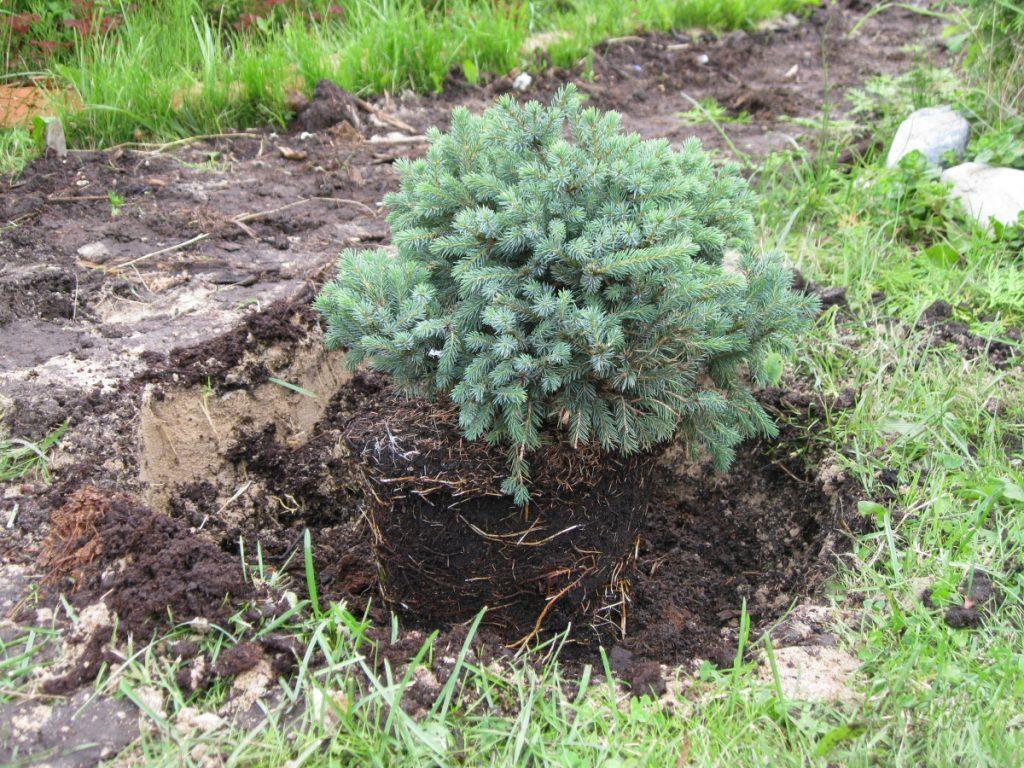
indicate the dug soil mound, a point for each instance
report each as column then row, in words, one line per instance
column 762, row 535
column 149, row 569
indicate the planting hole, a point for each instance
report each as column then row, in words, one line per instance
column 261, row 464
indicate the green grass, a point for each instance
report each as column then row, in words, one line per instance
column 15, row 150
column 22, row 458
column 172, row 71
column 710, row 111
column 22, row 656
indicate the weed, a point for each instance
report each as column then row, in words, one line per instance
column 711, row 111
column 116, row 204
column 20, row 458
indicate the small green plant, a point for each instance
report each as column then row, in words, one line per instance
column 1000, row 145
column 554, row 273
column 712, row 111
column 20, row 458
column 116, row 204
column 914, row 190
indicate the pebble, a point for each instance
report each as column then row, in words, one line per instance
column 522, row 82
column 96, row 252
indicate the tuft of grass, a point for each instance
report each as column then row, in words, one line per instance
column 711, row 111
column 20, row 458
column 16, row 149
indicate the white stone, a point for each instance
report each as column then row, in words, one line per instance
column 523, row 81
column 97, row 252
column 933, row 131
column 987, row 192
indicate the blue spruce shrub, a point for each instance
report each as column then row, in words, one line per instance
column 556, row 274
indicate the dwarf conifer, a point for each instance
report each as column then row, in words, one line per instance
column 556, row 274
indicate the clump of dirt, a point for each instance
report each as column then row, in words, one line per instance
column 329, row 106
column 84, row 652
column 979, row 597
column 241, row 658
column 147, row 567
column 829, row 296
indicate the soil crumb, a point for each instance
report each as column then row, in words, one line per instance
column 979, row 596
column 937, row 320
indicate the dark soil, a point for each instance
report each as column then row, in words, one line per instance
column 328, row 107
column 225, row 361
column 328, row 484
column 449, row 543
column 765, row 534
column 768, row 532
column 150, row 570
column 944, row 330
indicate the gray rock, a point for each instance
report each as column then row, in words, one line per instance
column 933, row 131
column 987, row 192
column 97, row 252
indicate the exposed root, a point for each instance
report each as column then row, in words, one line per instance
column 73, row 542
column 448, row 542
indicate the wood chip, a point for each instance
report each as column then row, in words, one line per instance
column 292, row 154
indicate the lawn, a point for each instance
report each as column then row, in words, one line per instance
column 917, row 648
column 176, row 68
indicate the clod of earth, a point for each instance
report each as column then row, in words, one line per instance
column 979, row 596
column 146, row 566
